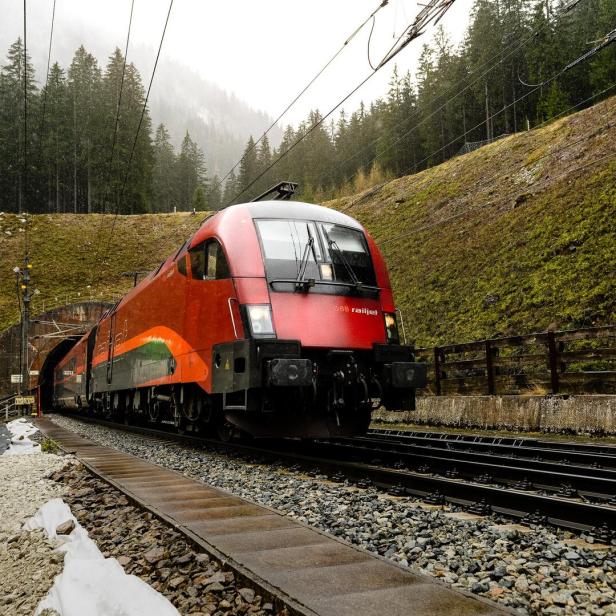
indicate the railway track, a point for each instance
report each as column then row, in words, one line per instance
column 516, row 446
column 566, row 494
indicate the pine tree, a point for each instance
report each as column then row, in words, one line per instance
column 83, row 87
column 55, row 147
column 164, row 197
column 190, row 172
column 214, row 194
column 14, row 186
column 249, row 169
column 231, row 190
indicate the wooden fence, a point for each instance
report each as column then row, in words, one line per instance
column 553, row 362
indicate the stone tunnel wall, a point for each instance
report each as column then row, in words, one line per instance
column 84, row 314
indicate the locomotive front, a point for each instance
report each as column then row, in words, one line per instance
column 323, row 348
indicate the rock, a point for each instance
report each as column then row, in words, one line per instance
column 176, row 581
column 124, row 560
column 154, row 555
column 184, row 559
column 521, row 584
column 248, row 594
column 498, row 573
column 215, row 587
column 572, row 555
column 213, row 579
column 560, row 598
column 480, row 587
column 66, row 528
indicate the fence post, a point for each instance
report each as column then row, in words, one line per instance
column 437, row 370
column 490, row 369
column 553, row 362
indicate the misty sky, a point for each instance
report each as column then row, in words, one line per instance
column 265, row 52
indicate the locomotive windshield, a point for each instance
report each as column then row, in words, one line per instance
column 330, row 254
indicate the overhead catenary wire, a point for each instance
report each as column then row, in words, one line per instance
column 565, row 9
column 44, row 108
column 135, row 140
column 608, row 39
column 24, row 204
column 119, row 105
column 372, row 17
column 108, row 186
column 432, row 11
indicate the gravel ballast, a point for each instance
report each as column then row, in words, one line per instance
column 195, row 583
column 545, row 571
column 28, row 563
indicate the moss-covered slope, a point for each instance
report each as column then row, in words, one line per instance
column 67, row 255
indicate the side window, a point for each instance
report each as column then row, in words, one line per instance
column 197, row 262
column 217, row 267
column 182, row 265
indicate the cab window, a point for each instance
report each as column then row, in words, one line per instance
column 182, row 265
column 197, row 261
column 208, row 262
column 217, row 268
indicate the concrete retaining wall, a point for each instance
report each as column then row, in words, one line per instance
column 583, row 414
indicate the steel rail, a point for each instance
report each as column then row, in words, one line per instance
column 582, row 453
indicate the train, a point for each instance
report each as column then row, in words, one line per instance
column 275, row 319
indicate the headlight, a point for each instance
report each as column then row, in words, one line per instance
column 260, row 317
column 391, row 328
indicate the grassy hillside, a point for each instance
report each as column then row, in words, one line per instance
column 514, row 237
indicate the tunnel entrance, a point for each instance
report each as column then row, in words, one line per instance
column 45, row 381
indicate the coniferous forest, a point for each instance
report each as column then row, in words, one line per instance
column 507, row 76
column 77, row 159
column 500, row 80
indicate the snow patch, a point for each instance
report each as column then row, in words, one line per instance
column 90, row 583
column 20, row 444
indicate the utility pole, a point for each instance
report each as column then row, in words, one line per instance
column 23, row 276
column 488, row 131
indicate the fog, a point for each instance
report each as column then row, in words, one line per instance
column 263, row 52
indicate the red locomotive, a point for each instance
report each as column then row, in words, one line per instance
column 274, row 319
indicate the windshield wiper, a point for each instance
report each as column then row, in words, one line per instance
column 300, row 283
column 333, row 246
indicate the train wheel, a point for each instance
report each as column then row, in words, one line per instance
column 225, row 431
column 154, row 411
column 116, row 404
column 107, row 410
column 128, row 408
